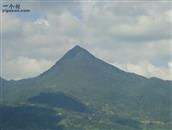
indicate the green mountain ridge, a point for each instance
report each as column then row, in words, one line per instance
column 102, row 87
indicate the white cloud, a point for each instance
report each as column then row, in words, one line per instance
column 130, row 34
column 135, row 53
column 170, row 64
column 24, row 67
column 147, row 70
column 125, row 26
column 42, row 22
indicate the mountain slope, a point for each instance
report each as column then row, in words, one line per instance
column 100, row 86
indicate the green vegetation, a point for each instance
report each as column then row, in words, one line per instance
column 28, row 117
column 90, row 94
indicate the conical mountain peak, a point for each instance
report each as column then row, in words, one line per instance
column 78, row 47
column 76, row 55
column 75, row 52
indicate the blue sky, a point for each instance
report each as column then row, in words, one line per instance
column 134, row 36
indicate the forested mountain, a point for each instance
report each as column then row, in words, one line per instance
column 88, row 93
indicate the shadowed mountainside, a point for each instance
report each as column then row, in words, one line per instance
column 59, row 100
column 28, row 117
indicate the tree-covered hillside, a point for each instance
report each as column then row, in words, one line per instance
column 116, row 99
